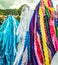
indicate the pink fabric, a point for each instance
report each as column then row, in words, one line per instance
column 37, row 46
column 53, row 34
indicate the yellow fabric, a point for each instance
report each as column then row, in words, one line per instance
column 45, row 48
column 46, row 4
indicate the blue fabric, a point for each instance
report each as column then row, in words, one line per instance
column 56, row 26
column 26, row 44
column 8, row 41
column 56, row 21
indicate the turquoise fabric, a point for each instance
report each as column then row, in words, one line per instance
column 8, row 41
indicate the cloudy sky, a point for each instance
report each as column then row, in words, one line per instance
column 6, row 4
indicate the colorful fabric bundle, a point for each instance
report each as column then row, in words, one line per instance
column 8, row 41
column 33, row 39
column 39, row 41
column 43, row 40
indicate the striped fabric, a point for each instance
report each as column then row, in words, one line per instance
column 41, row 40
column 42, row 44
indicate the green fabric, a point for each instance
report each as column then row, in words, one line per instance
column 56, row 28
column 47, row 12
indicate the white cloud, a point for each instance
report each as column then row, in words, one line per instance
column 1, row 7
column 30, row 3
column 4, row 4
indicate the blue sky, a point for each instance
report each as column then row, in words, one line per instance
column 6, row 4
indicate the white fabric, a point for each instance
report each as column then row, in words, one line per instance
column 23, row 27
column 55, row 59
column 25, row 58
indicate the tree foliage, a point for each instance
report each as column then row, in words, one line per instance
column 8, row 12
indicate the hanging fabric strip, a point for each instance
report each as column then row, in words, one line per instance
column 50, row 43
column 56, row 36
column 8, row 41
column 46, row 4
column 32, row 51
column 51, row 12
column 37, row 43
column 56, row 26
column 45, row 48
column 52, row 27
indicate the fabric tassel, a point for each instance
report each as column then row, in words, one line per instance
column 45, row 48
